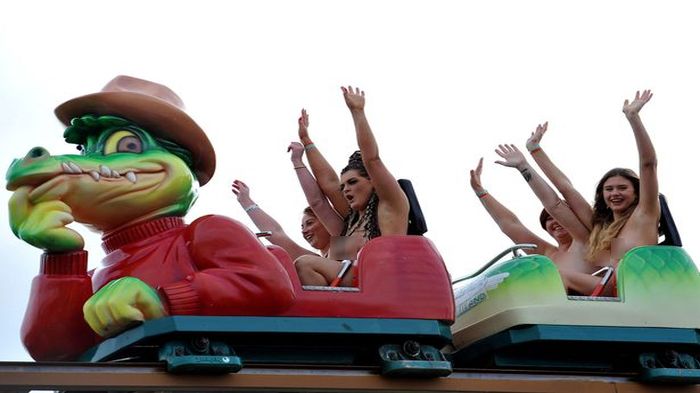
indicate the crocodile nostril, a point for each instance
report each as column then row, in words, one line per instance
column 37, row 152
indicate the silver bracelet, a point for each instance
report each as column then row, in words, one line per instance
column 251, row 208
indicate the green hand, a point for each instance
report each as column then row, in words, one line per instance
column 43, row 225
column 119, row 304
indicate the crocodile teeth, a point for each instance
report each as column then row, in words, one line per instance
column 69, row 167
column 104, row 171
column 115, row 174
column 95, row 175
column 131, row 176
column 74, row 167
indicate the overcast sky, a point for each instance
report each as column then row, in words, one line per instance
column 445, row 82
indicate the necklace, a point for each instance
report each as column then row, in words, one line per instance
column 355, row 226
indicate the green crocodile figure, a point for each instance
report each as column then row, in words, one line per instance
column 140, row 163
column 119, row 159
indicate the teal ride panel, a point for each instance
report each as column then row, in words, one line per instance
column 260, row 331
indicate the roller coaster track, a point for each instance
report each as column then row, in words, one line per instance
column 150, row 377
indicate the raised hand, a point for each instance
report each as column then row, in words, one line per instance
column 119, row 304
column 512, row 157
column 354, row 99
column 242, row 192
column 43, row 224
column 533, row 142
column 297, row 150
column 633, row 108
column 303, row 122
column 475, row 177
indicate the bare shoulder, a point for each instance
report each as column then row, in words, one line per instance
column 392, row 221
column 642, row 223
column 553, row 253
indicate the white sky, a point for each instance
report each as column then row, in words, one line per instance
column 446, row 82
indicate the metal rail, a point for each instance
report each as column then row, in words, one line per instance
column 514, row 249
column 25, row 376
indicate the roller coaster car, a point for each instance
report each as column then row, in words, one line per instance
column 395, row 320
column 517, row 315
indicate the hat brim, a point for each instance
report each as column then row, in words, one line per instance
column 156, row 116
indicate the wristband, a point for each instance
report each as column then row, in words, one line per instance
column 534, row 149
column 251, row 208
column 309, row 146
column 481, row 194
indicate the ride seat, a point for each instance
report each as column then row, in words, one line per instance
column 667, row 230
column 416, row 226
column 667, row 227
column 416, row 220
column 400, row 277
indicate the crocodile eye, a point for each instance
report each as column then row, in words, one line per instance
column 129, row 144
column 123, row 142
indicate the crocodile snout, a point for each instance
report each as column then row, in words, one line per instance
column 34, row 167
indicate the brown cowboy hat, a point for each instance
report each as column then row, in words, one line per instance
column 152, row 106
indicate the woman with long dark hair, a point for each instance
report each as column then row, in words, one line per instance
column 377, row 204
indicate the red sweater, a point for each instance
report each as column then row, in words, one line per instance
column 214, row 266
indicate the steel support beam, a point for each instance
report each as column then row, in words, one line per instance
column 26, row 376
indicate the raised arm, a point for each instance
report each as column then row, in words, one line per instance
column 390, row 194
column 648, row 181
column 265, row 222
column 314, row 196
column 576, row 201
column 507, row 221
column 326, row 177
column 560, row 211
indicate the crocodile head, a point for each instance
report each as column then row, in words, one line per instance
column 142, row 157
column 123, row 175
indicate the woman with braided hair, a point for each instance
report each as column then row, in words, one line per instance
column 377, row 204
column 367, row 222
